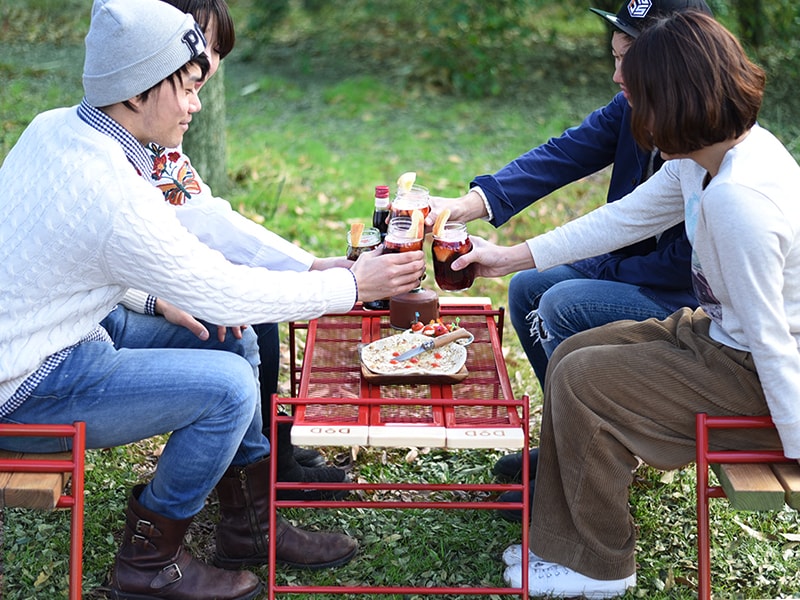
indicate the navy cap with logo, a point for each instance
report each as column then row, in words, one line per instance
column 634, row 15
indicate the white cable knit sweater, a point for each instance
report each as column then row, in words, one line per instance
column 79, row 226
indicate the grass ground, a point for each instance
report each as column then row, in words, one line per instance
column 315, row 121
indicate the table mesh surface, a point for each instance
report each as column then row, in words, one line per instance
column 336, row 373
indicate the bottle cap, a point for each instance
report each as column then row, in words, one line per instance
column 381, row 196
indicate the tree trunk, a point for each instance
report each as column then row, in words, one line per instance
column 205, row 142
column 751, row 22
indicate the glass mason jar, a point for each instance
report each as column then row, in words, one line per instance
column 370, row 239
column 400, row 238
column 452, row 242
column 404, row 202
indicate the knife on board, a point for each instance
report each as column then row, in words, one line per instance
column 436, row 342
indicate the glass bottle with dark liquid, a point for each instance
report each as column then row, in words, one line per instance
column 448, row 245
column 380, row 218
column 380, row 215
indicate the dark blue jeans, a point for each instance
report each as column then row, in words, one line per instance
column 549, row 306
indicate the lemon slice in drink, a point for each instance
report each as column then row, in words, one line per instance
column 438, row 226
column 356, row 231
column 417, row 229
column 406, row 180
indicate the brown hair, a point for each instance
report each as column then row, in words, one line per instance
column 203, row 11
column 201, row 60
column 690, row 84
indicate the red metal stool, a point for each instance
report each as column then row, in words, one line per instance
column 14, row 463
column 705, row 457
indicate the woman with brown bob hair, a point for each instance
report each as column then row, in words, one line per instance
column 684, row 101
column 629, row 391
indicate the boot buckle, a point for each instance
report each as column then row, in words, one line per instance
column 167, row 576
column 144, row 528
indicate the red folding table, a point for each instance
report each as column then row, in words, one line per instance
column 336, row 403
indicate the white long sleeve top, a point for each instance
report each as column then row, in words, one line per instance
column 745, row 232
column 79, row 226
column 215, row 223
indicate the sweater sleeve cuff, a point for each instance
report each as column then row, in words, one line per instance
column 342, row 290
column 140, row 302
column 355, row 283
column 478, row 190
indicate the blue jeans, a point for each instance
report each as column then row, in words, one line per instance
column 548, row 307
column 158, row 378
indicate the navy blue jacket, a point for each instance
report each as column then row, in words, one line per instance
column 660, row 267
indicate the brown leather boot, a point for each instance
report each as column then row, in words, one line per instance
column 153, row 564
column 243, row 530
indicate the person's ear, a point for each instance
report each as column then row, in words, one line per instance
column 136, row 102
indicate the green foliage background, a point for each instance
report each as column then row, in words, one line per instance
column 471, row 46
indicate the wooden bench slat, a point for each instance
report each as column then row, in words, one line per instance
column 789, row 476
column 751, row 486
column 32, row 490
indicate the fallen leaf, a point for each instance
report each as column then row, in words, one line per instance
column 753, row 533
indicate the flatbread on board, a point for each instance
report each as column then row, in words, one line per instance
column 381, row 356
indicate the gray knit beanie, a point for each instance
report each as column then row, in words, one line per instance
column 134, row 44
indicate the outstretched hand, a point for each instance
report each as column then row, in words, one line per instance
column 179, row 317
column 466, row 208
column 330, row 262
column 491, row 260
column 384, row 275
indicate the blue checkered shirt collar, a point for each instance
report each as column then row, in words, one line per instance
column 134, row 151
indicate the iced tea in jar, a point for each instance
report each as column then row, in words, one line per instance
column 400, row 237
column 451, row 242
column 405, row 202
column 369, row 239
column 404, row 235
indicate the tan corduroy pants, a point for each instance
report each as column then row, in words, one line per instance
column 616, row 394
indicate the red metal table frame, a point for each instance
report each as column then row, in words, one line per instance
column 329, row 377
column 706, row 457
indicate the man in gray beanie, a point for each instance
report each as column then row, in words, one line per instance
column 81, row 224
column 123, row 57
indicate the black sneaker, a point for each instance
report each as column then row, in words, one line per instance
column 308, row 457
column 515, row 516
column 316, row 475
column 509, row 467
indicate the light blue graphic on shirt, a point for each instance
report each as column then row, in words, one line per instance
column 702, row 289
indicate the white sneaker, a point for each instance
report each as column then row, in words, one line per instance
column 551, row 579
column 513, row 556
